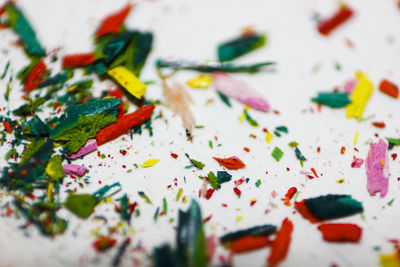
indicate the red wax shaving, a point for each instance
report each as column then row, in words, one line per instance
column 7, row 125
column 78, row 60
column 394, row 156
column 289, row 195
column 315, row 173
column 248, row 243
column 175, row 156
column 207, row 218
column 342, row 150
column 103, row 243
column 35, row 76
column 303, row 210
column 340, row 232
column 124, row 124
column 237, row 191
column 379, row 124
column 112, row 23
column 209, row 193
column 327, row 25
column 232, row 163
column 2, row 10
column 389, row 88
column 280, row 246
column 118, row 94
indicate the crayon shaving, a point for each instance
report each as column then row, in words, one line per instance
column 377, row 168
column 74, row 169
column 240, row 91
column 179, row 101
column 359, row 97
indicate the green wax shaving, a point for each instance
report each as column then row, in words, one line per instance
column 332, row 99
column 125, row 213
column 81, row 205
column 20, row 24
column 110, row 47
column 165, row 206
column 394, row 141
column 136, row 53
column 277, row 154
column 146, row 198
column 84, row 121
column 261, row 230
column 283, row 129
column 29, row 171
column 31, row 108
column 191, row 242
column 213, row 180
column 210, row 66
column 5, row 70
column 293, row 144
column 299, row 155
column 101, row 193
column 223, row 177
column 224, row 99
column 240, row 46
column 198, row 164
column 250, row 119
column 43, row 215
column 57, row 79
column 30, row 151
column 333, row 206
column 163, row 256
column 36, row 127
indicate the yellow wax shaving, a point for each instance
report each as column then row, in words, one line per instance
column 253, row 199
column 131, row 231
column 239, row 218
column 50, row 191
column 246, row 108
column 72, row 88
column 184, row 200
column 109, row 199
column 268, row 137
column 178, row 196
column 382, row 163
column 149, row 163
column 200, row 82
column 355, row 138
column 128, row 80
column 340, row 181
column 213, row 227
column 359, row 97
column 95, row 232
column 389, row 260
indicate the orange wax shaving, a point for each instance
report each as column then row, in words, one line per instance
column 35, row 76
column 78, row 60
column 249, row 243
column 112, row 23
column 280, row 246
column 232, row 163
column 340, row 232
column 124, row 124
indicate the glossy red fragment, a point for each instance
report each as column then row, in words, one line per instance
column 280, row 246
column 289, row 195
column 248, row 243
column 326, row 26
column 124, row 124
column 303, row 210
column 112, row 24
column 232, row 163
column 237, row 191
column 340, row 232
column 379, row 124
column 118, row 94
column 389, row 88
column 35, row 76
column 103, row 243
column 7, row 126
column 78, row 60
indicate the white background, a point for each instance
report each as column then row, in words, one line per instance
column 191, row 30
